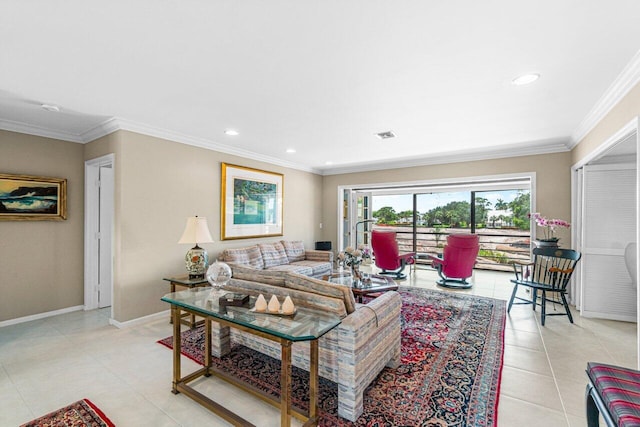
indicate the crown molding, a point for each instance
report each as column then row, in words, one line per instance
column 28, row 129
column 627, row 80
column 114, row 124
column 103, row 129
column 556, row 145
column 169, row 135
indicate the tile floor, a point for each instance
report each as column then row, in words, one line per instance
column 49, row 363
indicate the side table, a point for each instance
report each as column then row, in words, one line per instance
column 185, row 282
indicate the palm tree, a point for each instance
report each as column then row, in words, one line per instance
column 501, row 205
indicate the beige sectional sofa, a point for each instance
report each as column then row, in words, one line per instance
column 351, row 355
column 275, row 259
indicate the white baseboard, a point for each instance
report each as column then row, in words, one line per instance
column 141, row 320
column 134, row 322
column 40, row 316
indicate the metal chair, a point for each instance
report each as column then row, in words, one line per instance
column 387, row 255
column 550, row 271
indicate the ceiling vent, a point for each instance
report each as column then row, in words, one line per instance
column 386, row 135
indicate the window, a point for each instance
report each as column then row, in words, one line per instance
column 424, row 216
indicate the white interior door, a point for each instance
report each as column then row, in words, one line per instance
column 105, row 252
column 99, row 214
column 608, row 225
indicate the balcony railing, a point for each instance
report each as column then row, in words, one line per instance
column 499, row 247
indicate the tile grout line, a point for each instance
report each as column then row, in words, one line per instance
column 553, row 372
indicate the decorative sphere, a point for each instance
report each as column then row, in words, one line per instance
column 218, row 274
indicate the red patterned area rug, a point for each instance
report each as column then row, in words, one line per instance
column 82, row 413
column 452, row 353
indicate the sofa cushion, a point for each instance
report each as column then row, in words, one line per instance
column 301, row 298
column 273, row 254
column 318, row 269
column 293, row 268
column 294, row 250
column 250, row 256
column 619, row 389
column 272, row 276
column 322, row 287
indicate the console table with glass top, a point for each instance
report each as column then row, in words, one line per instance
column 305, row 325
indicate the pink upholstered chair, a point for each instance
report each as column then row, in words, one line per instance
column 387, row 256
column 458, row 259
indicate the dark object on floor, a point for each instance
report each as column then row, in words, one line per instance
column 550, row 271
column 458, row 258
column 323, row 246
column 614, row 393
column 387, row 255
column 82, row 413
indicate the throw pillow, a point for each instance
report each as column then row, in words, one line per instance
column 250, row 256
column 273, row 254
column 294, row 250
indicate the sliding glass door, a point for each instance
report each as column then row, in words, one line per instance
column 423, row 217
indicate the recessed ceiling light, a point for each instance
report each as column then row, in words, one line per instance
column 51, row 107
column 290, row 150
column 386, row 135
column 328, row 163
column 231, row 132
column 525, row 79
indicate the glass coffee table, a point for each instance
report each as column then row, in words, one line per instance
column 370, row 286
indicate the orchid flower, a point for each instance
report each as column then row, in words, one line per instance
column 548, row 225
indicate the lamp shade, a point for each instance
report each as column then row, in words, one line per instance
column 196, row 231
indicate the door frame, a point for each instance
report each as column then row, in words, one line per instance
column 620, row 135
column 357, row 226
column 345, row 210
column 91, row 228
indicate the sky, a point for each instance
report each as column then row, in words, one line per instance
column 7, row 186
column 426, row 202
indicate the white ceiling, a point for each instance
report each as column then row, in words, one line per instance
column 321, row 77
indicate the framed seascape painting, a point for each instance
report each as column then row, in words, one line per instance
column 251, row 204
column 32, row 198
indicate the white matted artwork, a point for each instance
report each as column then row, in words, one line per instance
column 251, row 204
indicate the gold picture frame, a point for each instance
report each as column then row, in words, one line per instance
column 251, row 203
column 32, row 198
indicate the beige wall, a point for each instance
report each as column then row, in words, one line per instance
column 552, row 183
column 620, row 115
column 158, row 185
column 41, row 262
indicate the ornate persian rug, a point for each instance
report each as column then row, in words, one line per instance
column 82, row 413
column 452, row 352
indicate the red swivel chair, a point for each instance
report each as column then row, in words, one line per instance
column 387, row 256
column 458, row 259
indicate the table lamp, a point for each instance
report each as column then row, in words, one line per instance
column 196, row 231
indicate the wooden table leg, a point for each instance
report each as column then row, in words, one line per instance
column 313, row 380
column 175, row 311
column 173, row 289
column 285, row 384
column 207, row 344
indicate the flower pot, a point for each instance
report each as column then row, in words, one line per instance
column 547, row 243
